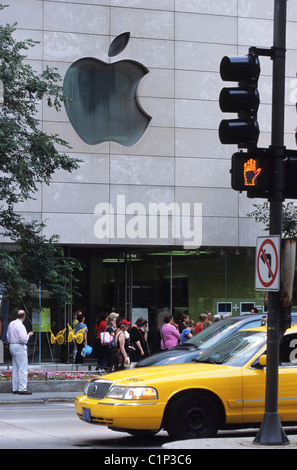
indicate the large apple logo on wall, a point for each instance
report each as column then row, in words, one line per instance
column 103, row 104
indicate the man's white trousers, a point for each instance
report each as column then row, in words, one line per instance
column 19, row 367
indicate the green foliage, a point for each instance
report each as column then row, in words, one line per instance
column 35, row 259
column 29, row 156
column 289, row 218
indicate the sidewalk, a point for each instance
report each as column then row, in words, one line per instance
column 57, row 366
column 223, row 442
column 38, row 397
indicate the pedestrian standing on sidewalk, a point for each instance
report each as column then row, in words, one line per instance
column 183, row 322
column 198, row 327
column 169, row 333
column 187, row 333
column 81, row 326
column 138, row 339
column 18, row 338
column 100, row 351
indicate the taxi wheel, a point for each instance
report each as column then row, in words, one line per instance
column 193, row 416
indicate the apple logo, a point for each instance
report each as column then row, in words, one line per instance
column 102, row 103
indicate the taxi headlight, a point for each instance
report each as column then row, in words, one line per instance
column 133, row 393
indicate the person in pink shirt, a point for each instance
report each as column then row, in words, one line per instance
column 169, row 333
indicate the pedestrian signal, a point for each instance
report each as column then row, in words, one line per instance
column 251, row 171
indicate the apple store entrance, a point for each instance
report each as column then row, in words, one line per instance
column 133, row 283
column 152, row 282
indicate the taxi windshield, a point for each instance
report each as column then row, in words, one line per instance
column 235, row 350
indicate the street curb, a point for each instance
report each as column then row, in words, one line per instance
column 36, row 386
column 40, row 401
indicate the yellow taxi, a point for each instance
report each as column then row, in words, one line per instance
column 224, row 387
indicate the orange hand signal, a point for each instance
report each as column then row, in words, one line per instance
column 251, row 172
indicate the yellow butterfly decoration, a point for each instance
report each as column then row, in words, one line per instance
column 78, row 336
column 59, row 337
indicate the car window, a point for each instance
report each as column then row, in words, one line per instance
column 235, row 350
column 288, row 350
column 251, row 324
column 211, row 333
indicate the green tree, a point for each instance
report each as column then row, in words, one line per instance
column 29, row 156
column 289, row 218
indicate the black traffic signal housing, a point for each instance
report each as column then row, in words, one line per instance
column 243, row 100
column 290, row 174
column 252, row 172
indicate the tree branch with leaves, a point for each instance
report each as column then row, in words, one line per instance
column 28, row 157
column 289, row 218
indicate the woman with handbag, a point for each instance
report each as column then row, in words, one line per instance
column 169, row 333
column 81, row 326
column 138, row 339
column 121, row 355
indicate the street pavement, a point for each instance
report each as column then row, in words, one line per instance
column 222, row 441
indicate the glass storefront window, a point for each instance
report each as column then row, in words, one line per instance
column 159, row 281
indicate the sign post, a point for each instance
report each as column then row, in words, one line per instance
column 271, row 431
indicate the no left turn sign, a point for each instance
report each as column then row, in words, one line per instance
column 268, row 263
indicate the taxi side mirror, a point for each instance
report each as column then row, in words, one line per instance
column 263, row 360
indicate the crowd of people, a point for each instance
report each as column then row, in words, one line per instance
column 118, row 344
column 173, row 333
column 114, row 347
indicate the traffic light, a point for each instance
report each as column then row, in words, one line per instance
column 290, row 169
column 252, row 172
column 243, row 100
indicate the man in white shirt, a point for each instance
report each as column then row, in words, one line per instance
column 18, row 338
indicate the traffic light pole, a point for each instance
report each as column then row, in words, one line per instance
column 271, row 431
